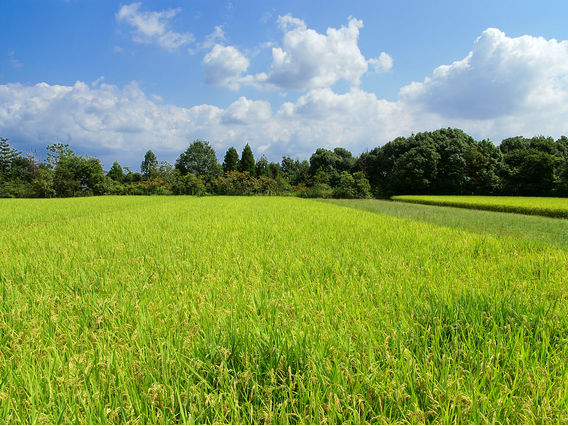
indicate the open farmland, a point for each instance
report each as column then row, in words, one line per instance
column 542, row 206
column 249, row 310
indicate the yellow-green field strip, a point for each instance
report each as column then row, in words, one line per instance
column 540, row 206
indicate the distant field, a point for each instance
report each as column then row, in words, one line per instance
column 273, row 310
column 542, row 206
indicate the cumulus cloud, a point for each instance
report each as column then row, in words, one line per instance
column 125, row 122
column 153, row 27
column 245, row 111
column 383, row 63
column 98, row 118
column 122, row 123
column 501, row 76
column 356, row 120
column 308, row 59
column 224, row 65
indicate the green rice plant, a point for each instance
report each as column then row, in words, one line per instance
column 272, row 310
column 546, row 231
column 542, row 206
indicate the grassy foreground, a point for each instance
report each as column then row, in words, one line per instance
column 249, row 310
column 542, row 206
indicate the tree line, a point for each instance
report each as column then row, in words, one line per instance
column 445, row 161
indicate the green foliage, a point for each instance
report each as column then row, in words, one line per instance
column 199, row 159
column 78, row 176
column 116, row 173
column 242, row 183
column 189, row 184
column 231, row 162
column 295, row 171
column 333, row 163
column 236, row 183
column 352, row 186
column 445, row 161
column 149, row 166
column 317, row 190
column 275, row 171
column 415, row 170
column 57, row 151
column 262, row 167
column 247, row 163
column 153, row 186
column 533, row 166
column 42, row 183
column 7, row 156
column 483, row 162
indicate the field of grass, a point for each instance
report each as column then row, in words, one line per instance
column 544, row 231
column 542, row 206
column 273, row 310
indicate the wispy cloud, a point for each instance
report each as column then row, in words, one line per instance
column 153, row 27
column 15, row 62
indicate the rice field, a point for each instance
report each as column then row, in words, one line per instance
column 542, row 206
column 273, row 310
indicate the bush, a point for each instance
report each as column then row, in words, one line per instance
column 319, row 190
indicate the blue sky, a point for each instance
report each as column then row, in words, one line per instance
column 114, row 79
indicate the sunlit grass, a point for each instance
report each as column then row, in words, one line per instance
column 543, row 206
column 547, row 231
column 273, row 310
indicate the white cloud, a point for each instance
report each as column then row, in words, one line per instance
column 218, row 35
column 101, row 118
column 500, row 77
column 383, row 63
column 153, row 27
column 246, row 111
column 224, row 65
column 122, row 123
column 308, row 59
column 356, row 120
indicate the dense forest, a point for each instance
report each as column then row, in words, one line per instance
column 445, row 161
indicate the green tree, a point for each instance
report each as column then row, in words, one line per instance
column 231, row 162
column 42, row 183
column 188, row 184
column 451, row 145
column 346, row 161
column 415, row 170
column 74, row 175
column 362, row 187
column 149, row 166
column 295, row 171
column 483, row 165
column 353, row 185
column 531, row 172
column 262, row 167
column 7, row 155
column 247, row 163
column 562, row 146
column 199, row 159
column 274, row 170
column 57, row 151
column 116, row 173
